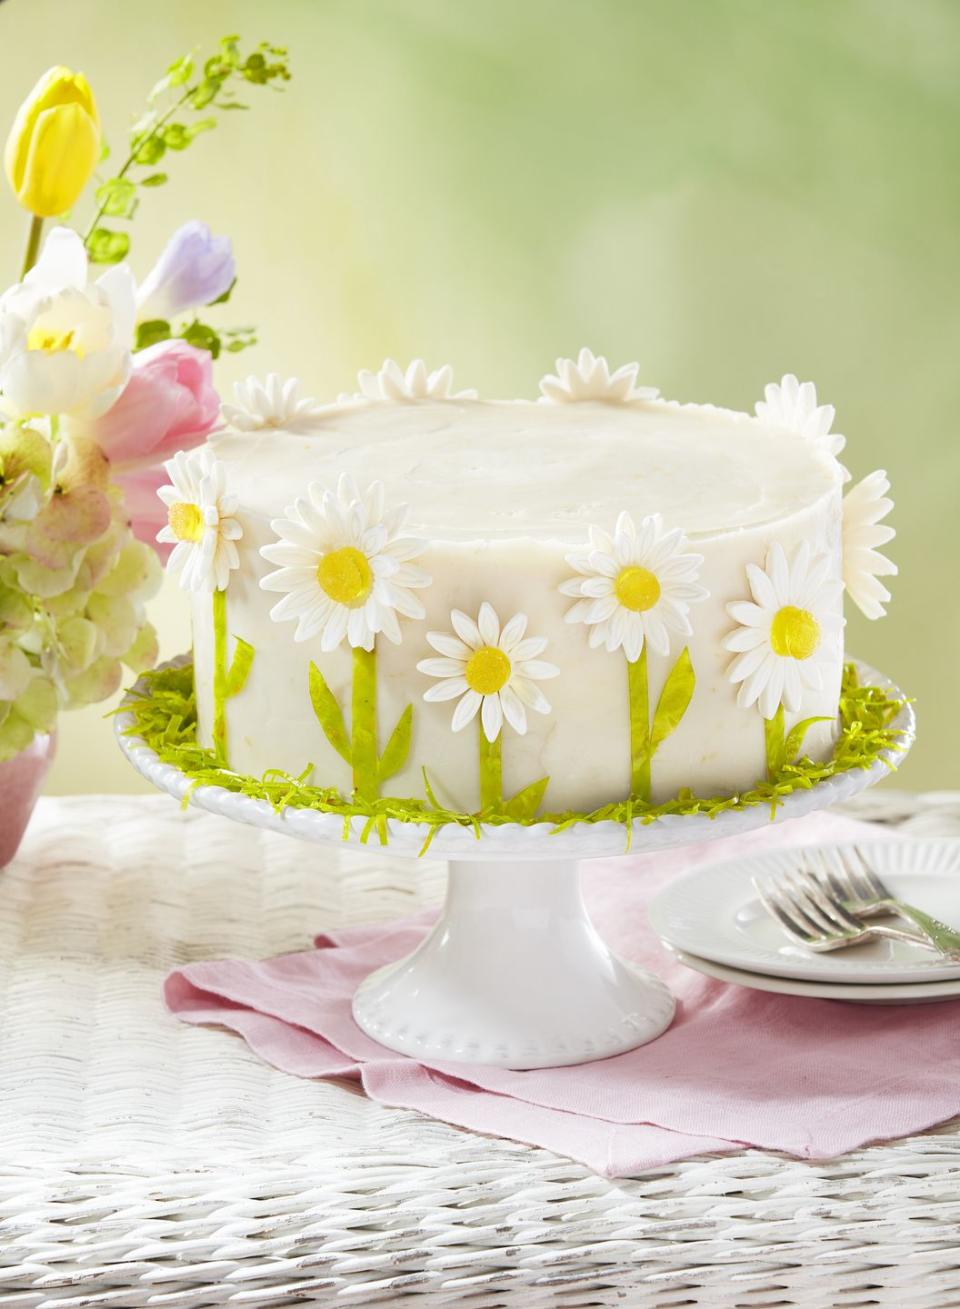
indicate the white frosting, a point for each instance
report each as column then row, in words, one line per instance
column 471, row 469
column 501, row 492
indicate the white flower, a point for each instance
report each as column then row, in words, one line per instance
column 864, row 508
column 634, row 585
column 272, row 403
column 200, row 522
column 589, row 378
column 782, row 643
column 793, row 406
column 391, row 383
column 344, row 570
column 64, row 343
column 492, row 671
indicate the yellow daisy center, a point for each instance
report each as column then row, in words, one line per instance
column 637, row 588
column 794, row 633
column 186, row 521
column 345, row 576
column 487, row 670
column 51, row 342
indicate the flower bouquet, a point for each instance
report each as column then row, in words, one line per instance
column 101, row 380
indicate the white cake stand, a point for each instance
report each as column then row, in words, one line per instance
column 514, row 973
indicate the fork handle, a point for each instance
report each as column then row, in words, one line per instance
column 901, row 934
column 939, row 935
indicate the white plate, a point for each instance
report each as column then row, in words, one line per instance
column 888, row 993
column 713, row 913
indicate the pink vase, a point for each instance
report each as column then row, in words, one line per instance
column 20, row 781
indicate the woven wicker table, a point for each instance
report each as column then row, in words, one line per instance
column 143, row 1162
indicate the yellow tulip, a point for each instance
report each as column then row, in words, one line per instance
column 54, row 144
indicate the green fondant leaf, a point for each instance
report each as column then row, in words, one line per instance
column 674, row 699
column 794, row 741
column 525, row 803
column 329, row 714
column 398, row 747
column 240, row 667
column 773, row 741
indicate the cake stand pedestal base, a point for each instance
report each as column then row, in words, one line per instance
column 515, row 975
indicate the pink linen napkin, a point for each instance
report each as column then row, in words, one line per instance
column 813, row 1078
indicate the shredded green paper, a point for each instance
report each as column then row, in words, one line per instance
column 165, row 718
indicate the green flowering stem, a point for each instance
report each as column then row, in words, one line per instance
column 640, row 752
column 646, row 739
column 33, row 245
column 491, row 771
column 230, row 678
column 220, row 676
column 363, row 725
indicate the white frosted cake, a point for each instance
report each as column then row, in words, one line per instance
column 558, row 603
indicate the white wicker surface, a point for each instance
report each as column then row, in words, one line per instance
column 147, row 1163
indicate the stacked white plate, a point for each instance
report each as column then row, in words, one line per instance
column 713, row 921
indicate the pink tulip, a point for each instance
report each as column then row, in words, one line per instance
column 145, row 510
column 169, row 404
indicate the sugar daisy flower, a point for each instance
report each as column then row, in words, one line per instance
column 589, row 377
column 792, row 405
column 345, row 571
column 783, row 640
column 489, row 670
column 398, row 386
column 201, row 525
column 635, row 586
column 864, row 508
column 274, row 404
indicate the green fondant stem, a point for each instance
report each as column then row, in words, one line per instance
column 363, row 724
column 220, row 676
column 639, row 727
column 491, row 770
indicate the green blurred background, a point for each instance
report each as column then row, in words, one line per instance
column 725, row 190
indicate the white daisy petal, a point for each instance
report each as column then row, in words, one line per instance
column 466, row 710
column 491, row 716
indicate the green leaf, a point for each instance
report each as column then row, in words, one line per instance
column 106, row 246
column 398, row 747
column 201, row 336
column 222, row 299
column 329, row 714
column 178, row 74
column 773, row 742
column 674, row 700
column 155, row 179
column 240, row 667
column 117, row 198
column 525, row 803
column 177, row 136
column 794, row 741
column 205, row 92
column 149, row 150
column 152, row 331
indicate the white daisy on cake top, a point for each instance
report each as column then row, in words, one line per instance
column 345, row 570
column 392, row 384
column 635, row 586
column 864, row 508
column 490, row 670
column 200, row 522
column 588, row 377
column 793, row 406
column 786, row 633
column 274, row 404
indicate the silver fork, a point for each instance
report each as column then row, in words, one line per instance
column 811, row 915
column 861, row 892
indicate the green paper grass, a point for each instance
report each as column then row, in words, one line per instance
column 165, row 717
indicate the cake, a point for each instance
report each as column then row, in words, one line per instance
column 521, row 607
